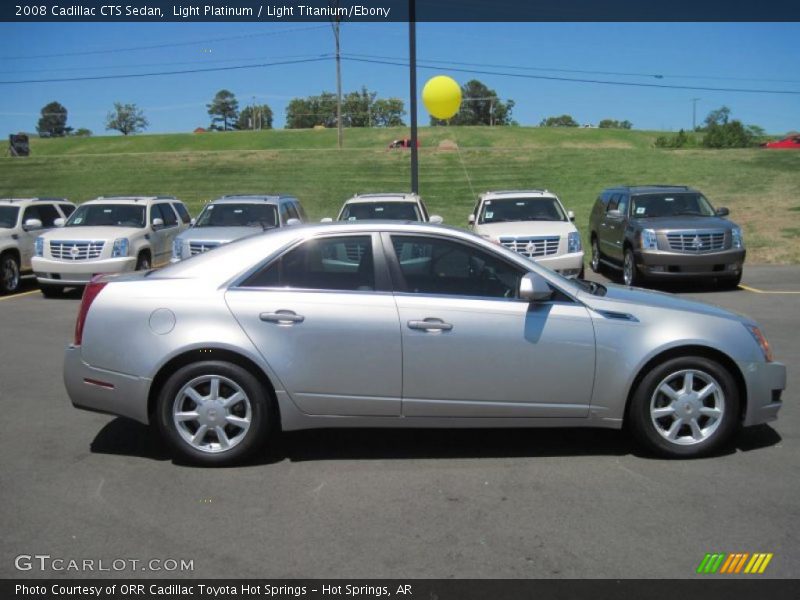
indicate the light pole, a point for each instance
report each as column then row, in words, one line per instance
column 335, row 24
column 412, row 63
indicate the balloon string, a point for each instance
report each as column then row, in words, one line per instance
column 463, row 164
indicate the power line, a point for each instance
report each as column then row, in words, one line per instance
column 576, row 80
column 134, row 75
column 169, row 45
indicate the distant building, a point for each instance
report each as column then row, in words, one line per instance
column 200, row 130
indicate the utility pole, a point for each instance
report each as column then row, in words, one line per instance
column 412, row 64
column 694, row 112
column 335, row 24
column 253, row 114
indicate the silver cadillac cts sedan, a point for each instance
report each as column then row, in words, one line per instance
column 378, row 324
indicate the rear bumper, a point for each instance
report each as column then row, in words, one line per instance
column 672, row 265
column 765, row 382
column 61, row 272
column 99, row 390
column 568, row 265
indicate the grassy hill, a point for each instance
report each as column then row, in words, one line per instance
column 759, row 186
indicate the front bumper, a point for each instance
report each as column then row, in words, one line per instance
column 79, row 272
column 99, row 390
column 568, row 265
column 677, row 265
column 765, row 382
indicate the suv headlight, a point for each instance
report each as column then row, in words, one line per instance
column 649, row 240
column 120, row 248
column 176, row 249
column 573, row 242
column 761, row 341
column 736, row 238
column 39, row 246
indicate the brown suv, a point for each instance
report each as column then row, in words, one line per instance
column 664, row 232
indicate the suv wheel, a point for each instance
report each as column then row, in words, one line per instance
column 9, row 273
column 214, row 413
column 595, row 262
column 730, row 283
column 630, row 273
column 143, row 262
column 50, row 291
column 685, row 407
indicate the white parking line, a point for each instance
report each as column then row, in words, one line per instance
column 18, row 295
column 757, row 291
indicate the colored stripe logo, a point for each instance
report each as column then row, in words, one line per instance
column 734, row 563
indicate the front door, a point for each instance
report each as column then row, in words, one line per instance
column 471, row 348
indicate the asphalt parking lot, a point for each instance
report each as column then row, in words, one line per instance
column 405, row 504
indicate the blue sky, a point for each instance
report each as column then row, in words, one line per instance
column 724, row 55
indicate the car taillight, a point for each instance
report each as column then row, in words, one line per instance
column 90, row 292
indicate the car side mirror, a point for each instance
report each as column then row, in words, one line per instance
column 723, row 211
column 471, row 219
column 292, row 221
column 614, row 214
column 534, row 288
column 60, row 222
column 326, row 220
column 32, row 224
column 158, row 223
column 570, row 215
column 435, row 219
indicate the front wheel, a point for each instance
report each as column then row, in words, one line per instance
column 9, row 274
column 143, row 262
column 685, row 407
column 214, row 413
column 595, row 262
column 730, row 283
column 51, row 291
column 630, row 272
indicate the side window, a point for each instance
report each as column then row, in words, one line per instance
column 424, row 209
column 67, row 209
column 437, row 266
column 622, row 206
column 182, row 212
column 165, row 212
column 300, row 211
column 46, row 213
column 284, row 212
column 291, row 211
column 613, row 203
column 336, row 263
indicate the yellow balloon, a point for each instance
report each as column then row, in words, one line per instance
column 441, row 96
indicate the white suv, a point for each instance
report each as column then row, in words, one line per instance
column 108, row 235
column 394, row 207
column 533, row 223
column 21, row 220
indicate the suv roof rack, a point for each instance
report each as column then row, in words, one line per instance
column 531, row 191
column 658, row 185
column 36, row 199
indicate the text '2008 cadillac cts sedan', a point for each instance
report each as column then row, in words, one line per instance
column 407, row 325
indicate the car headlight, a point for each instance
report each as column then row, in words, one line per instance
column 39, row 246
column 761, row 341
column 120, row 248
column 649, row 240
column 573, row 242
column 176, row 249
column 736, row 238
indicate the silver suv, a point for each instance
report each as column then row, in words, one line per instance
column 21, row 220
column 236, row 216
column 108, row 235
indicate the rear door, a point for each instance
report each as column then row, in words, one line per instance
column 324, row 319
column 612, row 230
column 161, row 238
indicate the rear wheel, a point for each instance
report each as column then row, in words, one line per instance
column 51, row 291
column 9, row 273
column 685, row 407
column 214, row 413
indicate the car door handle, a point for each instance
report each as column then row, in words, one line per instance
column 430, row 324
column 283, row 317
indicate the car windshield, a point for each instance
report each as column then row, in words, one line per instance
column 394, row 211
column 108, row 215
column 8, row 216
column 521, row 209
column 238, row 215
column 670, row 205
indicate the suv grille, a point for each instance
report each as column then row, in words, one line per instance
column 532, row 247
column 68, row 250
column 692, row 241
column 200, row 247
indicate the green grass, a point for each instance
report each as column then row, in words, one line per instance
column 759, row 186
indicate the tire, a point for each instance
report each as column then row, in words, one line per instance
column 595, row 264
column 51, row 291
column 143, row 262
column 9, row 273
column 691, row 424
column 729, row 283
column 630, row 272
column 231, row 433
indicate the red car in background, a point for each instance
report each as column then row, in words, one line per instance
column 792, row 141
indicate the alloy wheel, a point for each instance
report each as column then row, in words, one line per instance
column 628, row 267
column 595, row 264
column 10, row 274
column 687, row 407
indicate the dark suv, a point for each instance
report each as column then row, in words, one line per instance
column 664, row 232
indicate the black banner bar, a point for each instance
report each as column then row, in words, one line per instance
column 705, row 588
column 397, row 10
